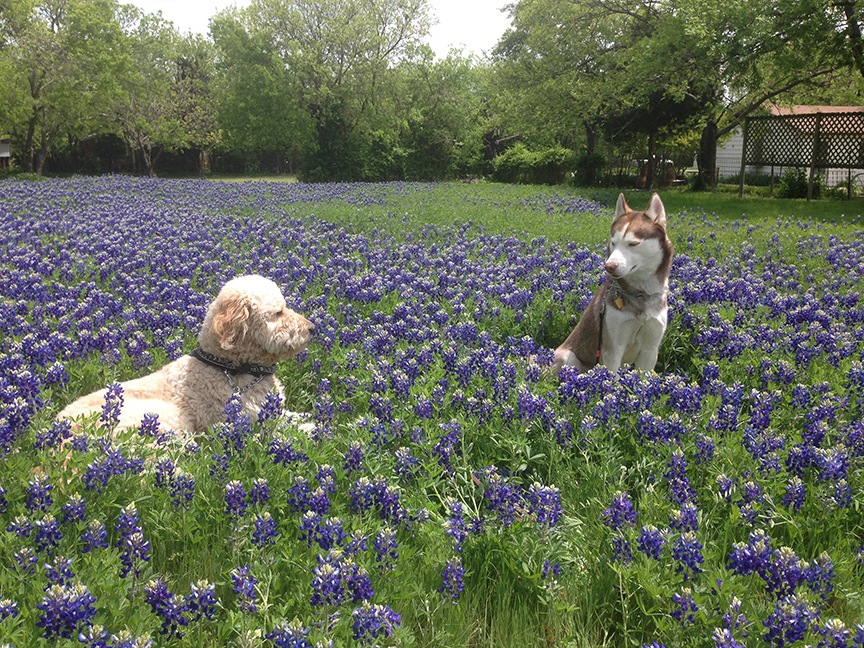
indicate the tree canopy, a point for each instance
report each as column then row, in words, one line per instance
column 347, row 89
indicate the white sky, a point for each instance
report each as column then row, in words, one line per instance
column 475, row 25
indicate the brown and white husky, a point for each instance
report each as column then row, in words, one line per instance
column 626, row 319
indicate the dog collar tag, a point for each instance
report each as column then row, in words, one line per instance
column 619, row 303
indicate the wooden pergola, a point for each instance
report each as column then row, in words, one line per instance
column 817, row 139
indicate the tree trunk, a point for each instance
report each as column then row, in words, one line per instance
column 652, row 161
column 590, row 154
column 706, row 160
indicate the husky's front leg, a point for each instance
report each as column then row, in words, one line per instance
column 651, row 335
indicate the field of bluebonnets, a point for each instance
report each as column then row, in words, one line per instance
column 451, row 493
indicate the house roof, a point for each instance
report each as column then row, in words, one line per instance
column 811, row 110
column 839, row 127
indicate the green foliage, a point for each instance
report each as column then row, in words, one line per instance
column 547, row 166
column 794, row 183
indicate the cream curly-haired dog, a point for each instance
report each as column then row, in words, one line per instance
column 247, row 330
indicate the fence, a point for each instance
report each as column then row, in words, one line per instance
column 818, row 141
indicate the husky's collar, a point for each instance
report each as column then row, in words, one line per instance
column 230, row 368
column 620, row 296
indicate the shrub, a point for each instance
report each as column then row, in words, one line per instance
column 548, row 166
column 793, row 184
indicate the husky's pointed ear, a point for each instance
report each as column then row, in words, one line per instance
column 621, row 207
column 656, row 211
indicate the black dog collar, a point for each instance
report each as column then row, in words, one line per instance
column 230, row 367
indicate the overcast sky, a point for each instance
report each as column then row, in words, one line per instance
column 475, row 25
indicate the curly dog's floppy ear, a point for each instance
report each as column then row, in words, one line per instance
column 231, row 323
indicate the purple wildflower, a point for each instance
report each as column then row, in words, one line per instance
column 453, row 579
column 372, row 621
column 64, row 609
column 244, row 587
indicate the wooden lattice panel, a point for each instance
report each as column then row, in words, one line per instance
column 824, row 140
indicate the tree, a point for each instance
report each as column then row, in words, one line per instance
column 61, row 60
column 194, row 87
column 148, row 111
column 259, row 106
column 341, row 53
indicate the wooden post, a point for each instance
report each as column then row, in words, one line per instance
column 744, row 156
column 816, row 138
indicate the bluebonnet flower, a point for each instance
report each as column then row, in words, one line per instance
column 454, row 525
column 95, row 536
column 271, row 407
column 726, row 486
column 201, row 601
column 687, row 550
column 52, row 437
column 4, row 503
column 501, row 496
column 282, row 451
column 164, row 472
column 74, row 509
column 386, row 546
column 299, row 495
column 545, row 504
column 685, row 518
column 182, row 490
column 837, row 495
column 357, row 542
column 64, row 609
column 751, row 556
column 235, row 499
column 235, row 431
column 449, row 441
column 326, row 477
column 26, row 560
column 723, row 638
column 96, row 636
column 705, row 448
column 135, row 549
column 113, row 404
column 621, row 551
column 265, row 531
column 170, row 607
column 834, row 634
column 21, row 526
column 244, row 587
column 792, row 617
column 290, row 635
column 46, row 534
column 260, row 492
column 407, row 465
column 60, row 571
column 452, row 579
column 795, row 494
column 310, row 527
column 549, row 566
column 819, row 575
column 371, row 621
column 685, row 607
column 353, row 457
column 8, row 608
column 327, row 585
column 651, row 542
column 680, row 490
column 620, row 513
column 39, row 493
column 319, row 501
column 357, row 582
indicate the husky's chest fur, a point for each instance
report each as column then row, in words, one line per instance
column 626, row 319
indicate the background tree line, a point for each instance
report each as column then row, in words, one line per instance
column 346, row 89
